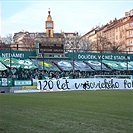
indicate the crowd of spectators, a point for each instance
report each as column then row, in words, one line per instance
column 24, row 74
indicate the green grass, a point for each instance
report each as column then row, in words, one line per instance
column 67, row 112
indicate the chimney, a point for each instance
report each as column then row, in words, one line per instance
column 131, row 12
column 126, row 14
column 110, row 21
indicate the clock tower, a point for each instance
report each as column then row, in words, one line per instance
column 49, row 25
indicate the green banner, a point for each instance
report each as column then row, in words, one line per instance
column 47, row 65
column 17, row 63
column 99, row 56
column 114, row 65
column 81, row 66
column 98, row 66
column 65, row 65
column 126, row 65
column 27, row 64
column 10, row 62
column 16, row 54
column 2, row 67
column 5, row 82
column 118, row 65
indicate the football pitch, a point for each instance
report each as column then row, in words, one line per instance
column 67, row 112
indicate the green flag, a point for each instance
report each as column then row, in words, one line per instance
column 26, row 64
column 2, row 67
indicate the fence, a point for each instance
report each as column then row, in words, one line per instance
column 74, row 55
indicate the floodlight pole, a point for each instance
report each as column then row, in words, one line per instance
column 10, row 62
column 73, row 60
column 43, row 60
column 127, row 61
column 101, row 61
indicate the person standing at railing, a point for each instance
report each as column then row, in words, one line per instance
column 0, row 74
column 4, row 74
column 14, row 72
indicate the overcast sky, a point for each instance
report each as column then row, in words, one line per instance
column 68, row 15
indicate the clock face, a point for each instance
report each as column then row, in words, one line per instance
column 49, row 24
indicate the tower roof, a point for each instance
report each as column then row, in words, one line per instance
column 49, row 18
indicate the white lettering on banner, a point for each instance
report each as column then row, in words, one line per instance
column 22, row 82
column 87, row 57
column 84, row 84
column 108, row 57
column 99, row 57
column 117, row 57
column 103, row 57
column 15, row 55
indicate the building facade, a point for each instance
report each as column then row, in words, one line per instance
column 115, row 35
column 27, row 41
column 49, row 41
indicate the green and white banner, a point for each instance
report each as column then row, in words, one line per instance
column 10, row 62
column 26, row 64
column 5, row 82
column 99, row 56
column 16, row 54
column 47, row 65
column 2, row 67
column 17, row 63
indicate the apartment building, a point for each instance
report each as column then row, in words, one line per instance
column 91, row 35
column 124, row 32
column 129, row 34
column 109, row 31
column 116, row 34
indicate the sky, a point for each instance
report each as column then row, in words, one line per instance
column 68, row 15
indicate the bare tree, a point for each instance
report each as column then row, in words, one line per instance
column 72, row 42
column 29, row 43
column 2, row 45
column 85, row 45
column 25, row 41
column 8, row 39
column 103, row 43
column 117, row 47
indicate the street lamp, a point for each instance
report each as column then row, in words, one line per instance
column 127, row 62
column 73, row 60
column 10, row 61
column 43, row 59
column 101, row 62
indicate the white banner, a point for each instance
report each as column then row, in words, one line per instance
column 84, row 84
column 22, row 82
column 4, row 81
